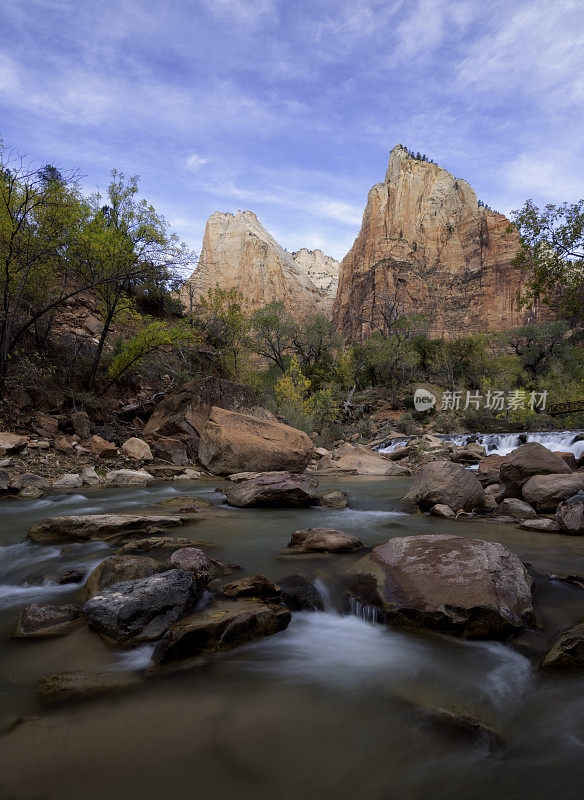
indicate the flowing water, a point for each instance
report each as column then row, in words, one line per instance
column 336, row 706
column 503, row 443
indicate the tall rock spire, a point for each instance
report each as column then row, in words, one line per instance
column 426, row 243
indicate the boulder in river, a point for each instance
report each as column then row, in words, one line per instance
column 542, row 524
column 191, row 559
column 360, row 460
column 41, row 620
column 570, row 514
column 337, row 500
column 129, row 477
column 448, row 484
column 232, row 442
column 225, row 624
column 546, row 492
column 442, row 510
column 254, row 586
column 119, row 568
column 141, row 610
column 516, row 508
column 456, row 585
column 299, row 593
column 157, row 544
column 488, row 472
column 567, row 652
column 324, row 540
column 101, row 527
column 274, row 489
column 526, row 461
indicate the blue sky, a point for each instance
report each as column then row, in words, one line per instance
column 290, row 107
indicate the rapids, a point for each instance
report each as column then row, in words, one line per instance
column 337, row 706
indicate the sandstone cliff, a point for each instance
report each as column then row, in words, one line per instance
column 427, row 245
column 239, row 253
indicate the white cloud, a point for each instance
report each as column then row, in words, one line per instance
column 195, row 162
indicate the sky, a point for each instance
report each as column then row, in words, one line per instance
column 289, row 108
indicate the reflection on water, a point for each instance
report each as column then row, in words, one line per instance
column 336, row 706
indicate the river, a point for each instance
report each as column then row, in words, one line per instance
column 333, row 707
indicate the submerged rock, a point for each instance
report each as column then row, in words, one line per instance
column 101, row 527
column 41, row 620
column 445, row 483
column 71, row 686
column 191, row 559
column 273, row 489
column 324, row 540
column 141, row 610
column 452, row 584
column 222, row 626
column 542, row 524
column 567, row 652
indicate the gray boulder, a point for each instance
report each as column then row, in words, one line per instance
column 274, row 489
column 141, row 610
column 119, row 568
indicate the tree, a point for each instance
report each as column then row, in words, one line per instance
column 124, row 245
column 39, row 218
column 538, row 346
column 314, row 342
column 153, row 336
column 272, row 333
column 223, row 321
column 552, row 250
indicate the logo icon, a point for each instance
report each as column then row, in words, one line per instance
column 423, row 400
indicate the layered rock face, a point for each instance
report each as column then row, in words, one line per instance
column 426, row 244
column 239, row 253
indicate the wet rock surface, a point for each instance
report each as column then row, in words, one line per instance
column 567, row 652
column 41, row 620
column 119, row 568
column 468, row 587
column 103, row 527
column 225, row 624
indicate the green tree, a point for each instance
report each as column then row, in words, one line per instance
column 123, row 245
column 552, row 250
column 223, row 321
column 272, row 333
column 539, row 346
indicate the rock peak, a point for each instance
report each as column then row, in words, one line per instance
column 425, row 239
column 238, row 252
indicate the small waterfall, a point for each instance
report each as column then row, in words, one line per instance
column 504, row 443
column 324, row 594
column 365, row 612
